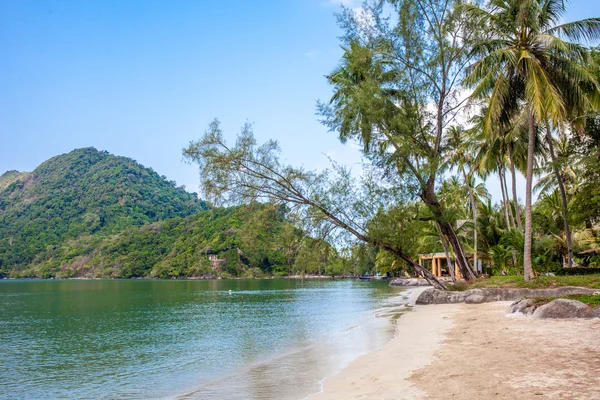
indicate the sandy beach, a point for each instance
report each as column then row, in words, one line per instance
column 476, row 352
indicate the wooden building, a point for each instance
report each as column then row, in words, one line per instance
column 438, row 265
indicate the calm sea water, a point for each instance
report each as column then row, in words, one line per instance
column 229, row 339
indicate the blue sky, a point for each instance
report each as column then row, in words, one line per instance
column 143, row 78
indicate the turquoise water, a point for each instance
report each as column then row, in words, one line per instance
column 227, row 339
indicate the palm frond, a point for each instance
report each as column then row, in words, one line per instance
column 586, row 29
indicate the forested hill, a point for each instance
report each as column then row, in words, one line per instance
column 85, row 192
column 247, row 241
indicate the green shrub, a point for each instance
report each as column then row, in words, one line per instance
column 578, row 271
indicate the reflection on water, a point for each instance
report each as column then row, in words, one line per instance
column 298, row 373
column 237, row 339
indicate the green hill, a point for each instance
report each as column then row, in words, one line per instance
column 84, row 192
column 248, row 241
column 92, row 214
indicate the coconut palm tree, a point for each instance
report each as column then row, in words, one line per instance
column 489, row 227
column 460, row 156
column 524, row 63
column 561, row 172
column 490, row 149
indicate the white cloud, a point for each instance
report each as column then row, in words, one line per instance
column 312, row 54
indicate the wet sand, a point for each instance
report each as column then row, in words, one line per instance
column 383, row 374
column 476, row 352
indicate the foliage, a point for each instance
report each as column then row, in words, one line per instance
column 396, row 90
column 530, row 68
column 541, row 282
column 579, row 271
column 180, row 247
column 327, row 204
column 586, row 199
column 589, row 299
column 85, row 192
column 91, row 214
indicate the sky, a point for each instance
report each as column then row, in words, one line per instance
column 142, row 79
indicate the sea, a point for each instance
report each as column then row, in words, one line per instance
column 187, row 339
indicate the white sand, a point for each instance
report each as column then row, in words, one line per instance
column 383, row 374
column 489, row 355
column 476, row 352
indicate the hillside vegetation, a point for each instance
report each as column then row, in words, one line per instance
column 249, row 241
column 84, row 192
column 92, row 214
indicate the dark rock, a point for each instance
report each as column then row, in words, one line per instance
column 435, row 296
column 524, row 306
column 408, row 282
column 475, row 299
column 562, row 308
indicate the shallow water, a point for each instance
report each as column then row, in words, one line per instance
column 228, row 339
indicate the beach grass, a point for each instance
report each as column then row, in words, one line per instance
column 540, row 282
column 592, row 300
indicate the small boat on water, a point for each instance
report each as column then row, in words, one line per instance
column 364, row 278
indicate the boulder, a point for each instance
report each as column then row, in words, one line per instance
column 524, row 306
column 562, row 308
column 409, row 282
column 435, row 296
column 475, row 299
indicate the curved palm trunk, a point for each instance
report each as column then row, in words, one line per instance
column 514, row 187
column 563, row 196
column 445, row 246
column 527, row 265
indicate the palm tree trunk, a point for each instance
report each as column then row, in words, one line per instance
column 474, row 211
column 514, row 187
column 509, row 206
column 504, row 188
column 445, row 246
column 504, row 196
column 563, row 195
column 527, row 265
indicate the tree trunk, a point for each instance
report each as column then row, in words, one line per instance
column 445, row 246
column 514, row 187
column 429, row 277
column 429, row 198
column 507, row 211
column 474, row 211
column 398, row 252
column 527, row 265
column 563, row 196
column 504, row 196
column 509, row 206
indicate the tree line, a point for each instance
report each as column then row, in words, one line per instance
column 440, row 95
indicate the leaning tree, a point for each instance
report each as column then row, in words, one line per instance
column 324, row 201
column 398, row 89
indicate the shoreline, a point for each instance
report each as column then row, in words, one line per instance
column 471, row 351
column 384, row 373
column 186, row 278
